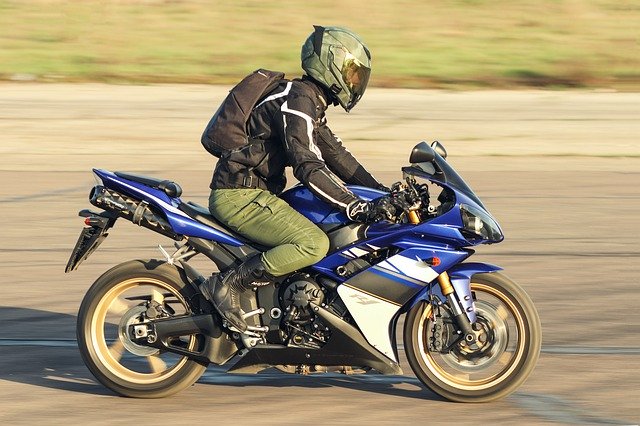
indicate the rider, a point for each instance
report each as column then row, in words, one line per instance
column 289, row 128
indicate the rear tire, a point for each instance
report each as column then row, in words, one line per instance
column 114, row 302
column 509, row 338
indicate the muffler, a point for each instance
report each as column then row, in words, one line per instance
column 136, row 211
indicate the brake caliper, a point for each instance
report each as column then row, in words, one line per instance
column 436, row 343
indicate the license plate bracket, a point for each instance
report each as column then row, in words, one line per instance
column 90, row 237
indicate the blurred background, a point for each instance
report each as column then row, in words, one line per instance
column 537, row 103
column 415, row 43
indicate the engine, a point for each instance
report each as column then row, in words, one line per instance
column 296, row 294
column 303, row 327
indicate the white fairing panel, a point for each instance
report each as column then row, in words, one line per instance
column 373, row 316
column 414, row 268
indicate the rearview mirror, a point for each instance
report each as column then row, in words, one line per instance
column 439, row 148
column 422, row 153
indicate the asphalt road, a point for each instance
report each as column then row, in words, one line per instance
column 559, row 170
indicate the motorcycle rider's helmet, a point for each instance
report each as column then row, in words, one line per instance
column 337, row 59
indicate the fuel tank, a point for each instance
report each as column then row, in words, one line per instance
column 319, row 212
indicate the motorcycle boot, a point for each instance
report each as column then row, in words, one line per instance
column 224, row 289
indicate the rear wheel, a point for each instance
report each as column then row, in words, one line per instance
column 507, row 347
column 119, row 299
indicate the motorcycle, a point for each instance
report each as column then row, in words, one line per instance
column 470, row 333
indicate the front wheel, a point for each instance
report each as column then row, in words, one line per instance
column 508, row 339
column 119, row 299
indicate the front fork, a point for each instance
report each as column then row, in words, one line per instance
column 459, row 316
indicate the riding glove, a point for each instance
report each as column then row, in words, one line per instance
column 371, row 211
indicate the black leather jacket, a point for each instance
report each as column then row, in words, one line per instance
column 289, row 128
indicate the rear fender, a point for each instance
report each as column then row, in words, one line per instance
column 460, row 276
column 91, row 236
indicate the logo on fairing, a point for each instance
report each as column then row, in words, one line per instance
column 363, row 299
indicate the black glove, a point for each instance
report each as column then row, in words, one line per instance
column 371, row 211
column 400, row 198
column 382, row 187
column 399, row 201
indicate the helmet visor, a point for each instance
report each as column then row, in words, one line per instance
column 356, row 76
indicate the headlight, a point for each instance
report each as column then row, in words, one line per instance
column 479, row 223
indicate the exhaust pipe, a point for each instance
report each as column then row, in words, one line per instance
column 136, row 211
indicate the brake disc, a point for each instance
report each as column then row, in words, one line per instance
column 492, row 338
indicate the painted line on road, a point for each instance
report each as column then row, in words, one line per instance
column 570, row 254
column 55, row 192
column 579, row 350
column 555, row 350
column 558, row 410
column 46, row 194
column 547, row 407
column 51, row 343
column 582, row 350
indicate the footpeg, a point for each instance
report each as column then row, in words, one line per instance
column 253, row 336
column 252, row 313
column 258, row 329
column 251, row 330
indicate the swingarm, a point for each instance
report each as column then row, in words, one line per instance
column 165, row 334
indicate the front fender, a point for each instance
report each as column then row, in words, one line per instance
column 460, row 276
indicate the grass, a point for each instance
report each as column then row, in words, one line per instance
column 415, row 43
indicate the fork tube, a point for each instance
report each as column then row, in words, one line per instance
column 414, row 217
column 445, row 284
column 460, row 318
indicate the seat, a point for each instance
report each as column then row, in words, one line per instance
column 170, row 188
column 202, row 215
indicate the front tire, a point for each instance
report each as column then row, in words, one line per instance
column 117, row 300
column 509, row 338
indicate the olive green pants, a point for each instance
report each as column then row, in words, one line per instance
column 266, row 219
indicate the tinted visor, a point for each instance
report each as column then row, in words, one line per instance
column 356, row 76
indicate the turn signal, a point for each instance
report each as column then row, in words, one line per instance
column 432, row 261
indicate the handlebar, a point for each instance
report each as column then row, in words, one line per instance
column 410, row 197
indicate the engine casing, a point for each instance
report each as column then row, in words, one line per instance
column 296, row 294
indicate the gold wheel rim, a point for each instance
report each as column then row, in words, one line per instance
column 110, row 355
column 467, row 384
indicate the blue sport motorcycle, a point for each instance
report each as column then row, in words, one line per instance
column 470, row 333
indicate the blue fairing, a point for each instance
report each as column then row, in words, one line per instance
column 181, row 223
column 447, row 227
column 460, row 276
column 319, row 212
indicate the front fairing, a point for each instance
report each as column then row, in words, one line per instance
column 449, row 224
column 443, row 173
column 447, row 227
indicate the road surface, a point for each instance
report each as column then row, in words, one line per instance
column 559, row 170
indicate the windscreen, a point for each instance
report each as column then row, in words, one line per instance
column 445, row 174
column 452, row 178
